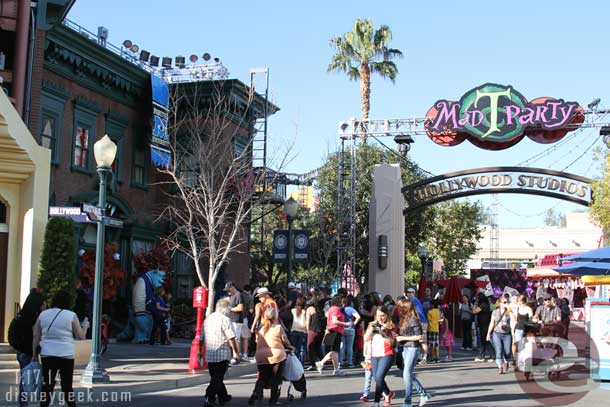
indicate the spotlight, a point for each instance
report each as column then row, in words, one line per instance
column 404, row 142
column 127, row 44
column 166, row 62
column 179, row 61
column 144, row 55
column 604, row 131
column 594, row 103
column 206, row 57
column 193, row 58
column 134, row 48
column 217, row 60
column 154, row 60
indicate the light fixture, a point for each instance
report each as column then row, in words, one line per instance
column 291, row 206
column 553, row 243
column 193, row 58
column 404, row 142
column 575, row 243
column 117, row 256
column 530, row 244
column 154, row 60
column 134, row 48
column 423, row 252
column 217, row 60
column 127, row 44
column 81, row 252
column 179, row 61
column 594, row 103
column 104, row 151
column 206, row 57
column 144, row 56
column 166, row 62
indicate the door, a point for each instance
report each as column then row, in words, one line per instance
column 3, row 267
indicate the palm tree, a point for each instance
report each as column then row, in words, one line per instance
column 361, row 52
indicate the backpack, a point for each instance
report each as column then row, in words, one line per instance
column 318, row 321
column 15, row 337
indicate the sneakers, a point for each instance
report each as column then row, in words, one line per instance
column 309, row 368
column 319, row 367
column 450, row 359
column 479, row 360
column 365, row 399
column 424, row 399
column 338, row 372
column 234, row 362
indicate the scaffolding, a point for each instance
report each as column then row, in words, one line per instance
column 494, row 232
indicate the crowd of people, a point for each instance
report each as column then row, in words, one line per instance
column 262, row 327
column 371, row 331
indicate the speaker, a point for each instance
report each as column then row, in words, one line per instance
column 154, row 60
column 382, row 251
column 144, row 55
column 166, row 62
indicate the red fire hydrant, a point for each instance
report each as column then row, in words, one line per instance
column 200, row 302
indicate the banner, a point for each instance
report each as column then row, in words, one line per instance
column 301, row 246
column 160, row 152
column 280, row 246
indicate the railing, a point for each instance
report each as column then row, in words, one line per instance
column 188, row 73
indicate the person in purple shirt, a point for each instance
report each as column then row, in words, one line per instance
column 424, row 322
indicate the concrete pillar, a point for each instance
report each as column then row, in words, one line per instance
column 386, row 218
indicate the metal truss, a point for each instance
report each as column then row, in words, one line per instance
column 350, row 133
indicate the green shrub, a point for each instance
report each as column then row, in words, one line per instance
column 57, row 268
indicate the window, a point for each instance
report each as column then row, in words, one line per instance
column 47, row 134
column 139, row 167
column 81, row 148
column 115, row 129
column 52, row 104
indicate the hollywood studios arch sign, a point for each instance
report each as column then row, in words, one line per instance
column 492, row 117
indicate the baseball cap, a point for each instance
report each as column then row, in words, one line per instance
column 291, row 285
column 411, row 290
column 228, row 285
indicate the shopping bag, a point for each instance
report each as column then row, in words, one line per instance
column 293, row 369
column 31, row 380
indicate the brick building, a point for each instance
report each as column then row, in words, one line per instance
column 81, row 89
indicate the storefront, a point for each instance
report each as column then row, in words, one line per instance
column 24, row 197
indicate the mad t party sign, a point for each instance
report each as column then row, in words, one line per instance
column 495, row 117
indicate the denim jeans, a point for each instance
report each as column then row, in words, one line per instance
column 24, row 359
column 410, row 356
column 368, row 378
column 381, row 366
column 502, row 344
column 346, row 355
column 299, row 341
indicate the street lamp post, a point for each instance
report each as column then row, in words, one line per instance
column 105, row 152
column 291, row 206
column 423, row 256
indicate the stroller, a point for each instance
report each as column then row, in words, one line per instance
column 295, row 376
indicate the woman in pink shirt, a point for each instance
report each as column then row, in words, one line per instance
column 335, row 325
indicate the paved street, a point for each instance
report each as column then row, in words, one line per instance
column 460, row 383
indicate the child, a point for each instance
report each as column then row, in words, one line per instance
column 368, row 372
column 447, row 340
column 434, row 318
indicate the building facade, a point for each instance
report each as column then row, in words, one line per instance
column 71, row 87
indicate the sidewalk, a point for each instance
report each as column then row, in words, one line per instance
column 140, row 369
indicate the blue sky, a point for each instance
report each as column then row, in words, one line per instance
column 542, row 48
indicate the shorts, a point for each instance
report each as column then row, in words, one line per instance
column 332, row 341
column 432, row 339
column 424, row 333
column 518, row 335
column 238, row 328
column 245, row 331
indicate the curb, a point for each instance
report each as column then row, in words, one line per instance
column 165, row 385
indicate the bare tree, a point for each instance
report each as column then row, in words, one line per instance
column 212, row 184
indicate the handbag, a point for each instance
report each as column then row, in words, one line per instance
column 293, row 369
column 31, row 380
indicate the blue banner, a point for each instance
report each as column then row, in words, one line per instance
column 160, row 153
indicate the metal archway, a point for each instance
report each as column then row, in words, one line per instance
column 494, row 180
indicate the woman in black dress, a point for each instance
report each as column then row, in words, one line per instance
column 482, row 310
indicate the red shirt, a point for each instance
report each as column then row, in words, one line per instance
column 335, row 312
